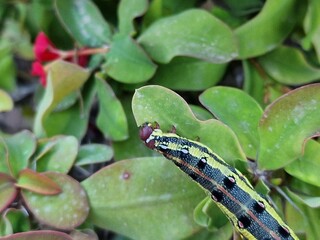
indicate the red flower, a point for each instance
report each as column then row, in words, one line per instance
column 44, row 49
column 37, row 70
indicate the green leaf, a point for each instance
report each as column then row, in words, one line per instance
column 84, row 22
column 126, row 54
column 19, row 219
column 311, row 27
column 287, row 65
column 306, row 168
column 37, row 183
column 191, row 74
column 6, row 103
column 127, row 11
column 8, row 191
column 268, row 29
column 18, row 149
column 287, row 124
column 155, row 103
column 66, row 210
column 93, row 153
column 74, row 120
column 183, row 35
column 239, row 111
column 111, row 119
column 144, row 198
column 7, row 71
column 63, row 79
column 56, row 154
column 39, row 235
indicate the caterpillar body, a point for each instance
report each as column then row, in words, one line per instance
column 250, row 213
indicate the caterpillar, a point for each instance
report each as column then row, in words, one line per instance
column 249, row 212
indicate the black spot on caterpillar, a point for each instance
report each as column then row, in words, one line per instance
column 251, row 215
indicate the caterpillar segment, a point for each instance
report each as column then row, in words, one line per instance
column 251, row 214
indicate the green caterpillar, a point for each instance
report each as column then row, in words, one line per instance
column 249, row 212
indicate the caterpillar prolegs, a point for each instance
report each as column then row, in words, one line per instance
column 249, row 212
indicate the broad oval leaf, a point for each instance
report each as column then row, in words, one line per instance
column 111, row 119
column 183, row 35
column 6, row 103
column 93, row 153
column 8, row 191
column 306, row 168
column 66, row 210
column 19, row 148
column 37, row 183
column 268, row 29
column 287, row 124
column 144, row 198
column 84, row 22
column 239, row 111
column 287, row 65
column 127, row 11
column 56, row 154
column 127, row 62
column 155, row 103
column 188, row 74
column 63, row 79
column 39, row 235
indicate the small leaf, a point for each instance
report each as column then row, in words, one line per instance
column 8, row 191
column 306, row 168
column 37, row 182
column 93, row 153
column 268, row 29
column 155, row 103
column 126, row 54
column 18, row 148
column 66, row 210
column 56, row 154
column 39, row 235
column 84, row 22
column 239, row 111
column 63, row 79
column 19, row 219
column 144, row 198
column 287, row 124
column 111, row 119
column 183, row 35
column 128, row 10
column 287, row 65
column 6, row 103
column 188, row 74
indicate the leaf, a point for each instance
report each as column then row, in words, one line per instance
column 127, row 11
column 237, row 110
column 63, row 79
column 287, row 65
column 144, row 198
column 66, row 210
column 126, row 54
column 18, row 218
column 111, row 119
column 306, row 168
column 93, row 153
column 18, row 148
column 56, row 154
column 84, row 22
column 188, row 74
column 37, row 183
column 155, row 103
column 311, row 27
column 268, row 29
column 287, row 124
column 8, row 191
column 7, row 66
column 39, row 235
column 6, row 103
column 183, row 35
